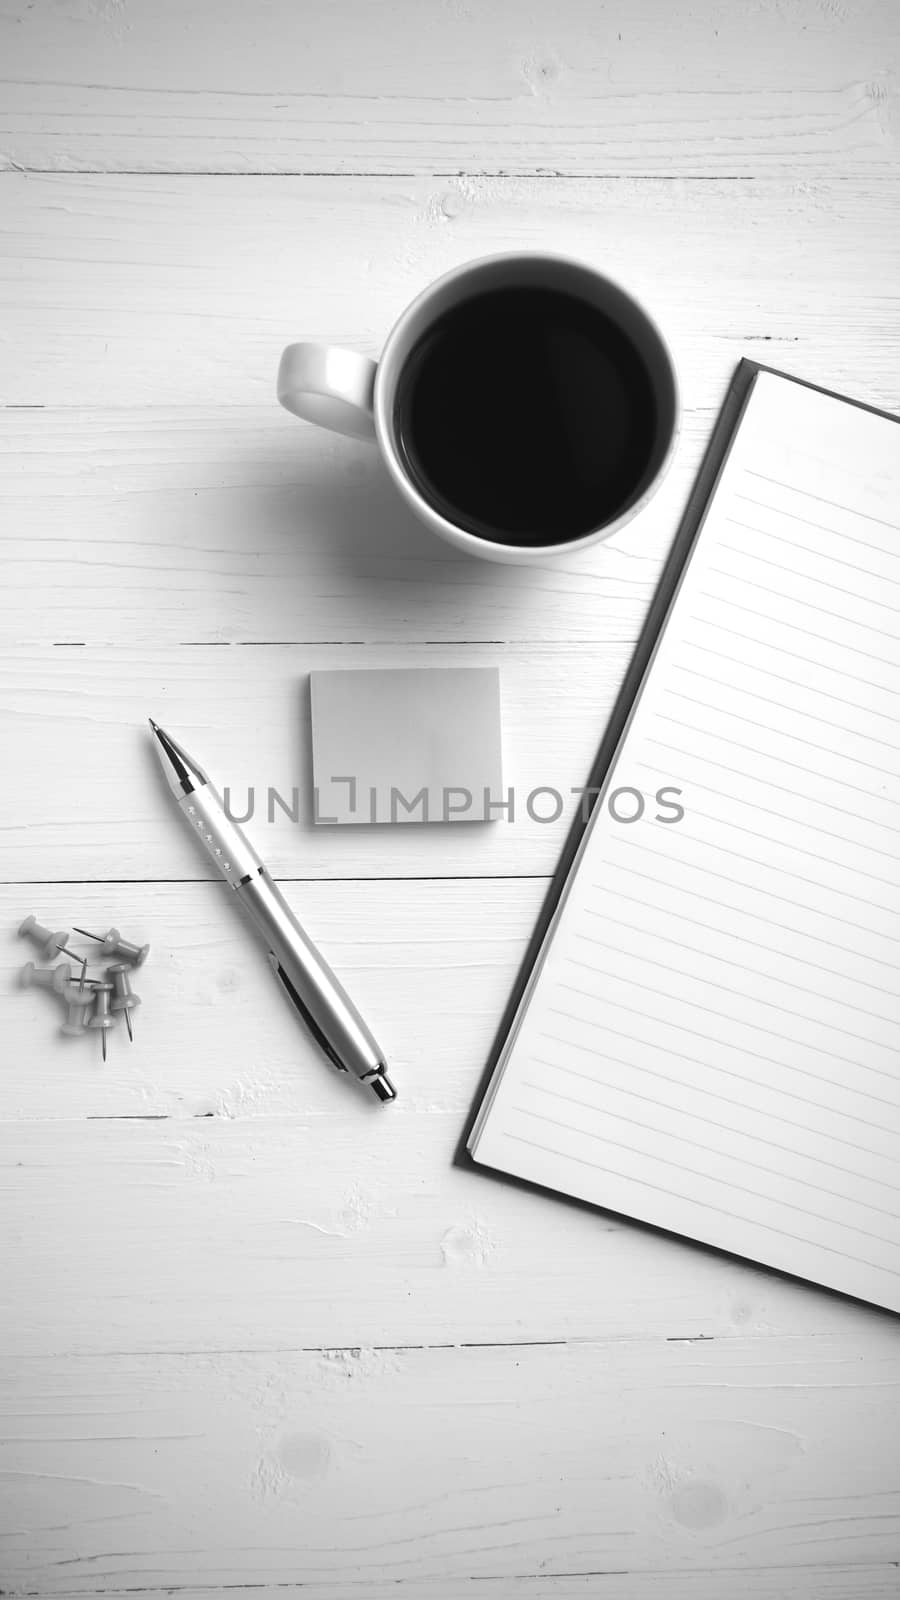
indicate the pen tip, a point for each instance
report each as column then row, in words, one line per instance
column 381, row 1085
column 154, row 726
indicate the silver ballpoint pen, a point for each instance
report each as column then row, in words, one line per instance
column 308, row 981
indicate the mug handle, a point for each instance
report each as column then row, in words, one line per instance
column 323, row 383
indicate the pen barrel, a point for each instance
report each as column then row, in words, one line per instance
column 230, row 852
column 308, row 981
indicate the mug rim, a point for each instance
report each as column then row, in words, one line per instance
column 383, row 399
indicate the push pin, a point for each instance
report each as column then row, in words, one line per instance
column 124, row 998
column 101, row 1018
column 82, row 981
column 51, row 943
column 78, row 1003
column 114, row 945
column 54, row 978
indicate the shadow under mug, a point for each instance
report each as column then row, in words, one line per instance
column 352, row 394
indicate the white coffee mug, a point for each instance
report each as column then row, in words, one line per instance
column 353, row 394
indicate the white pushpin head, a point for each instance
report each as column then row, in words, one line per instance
column 124, row 997
column 112, row 944
column 51, row 943
column 55, row 978
column 101, row 1019
column 78, row 1004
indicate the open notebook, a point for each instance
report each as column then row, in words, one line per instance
column 709, row 1039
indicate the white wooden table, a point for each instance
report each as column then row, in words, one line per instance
column 256, row 1334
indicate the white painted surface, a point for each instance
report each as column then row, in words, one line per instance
column 253, row 1333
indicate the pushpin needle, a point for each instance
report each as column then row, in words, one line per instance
column 114, row 944
column 124, row 999
column 102, row 1021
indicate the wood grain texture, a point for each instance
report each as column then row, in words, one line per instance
column 123, row 290
column 722, row 1456
column 170, row 528
column 208, row 1231
column 842, row 1581
column 218, row 1150
column 256, row 1334
column 145, row 499
column 798, row 85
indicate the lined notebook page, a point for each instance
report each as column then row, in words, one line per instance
column 711, row 1040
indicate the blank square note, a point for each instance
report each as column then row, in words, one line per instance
column 409, row 745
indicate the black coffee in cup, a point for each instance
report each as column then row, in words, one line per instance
column 527, row 416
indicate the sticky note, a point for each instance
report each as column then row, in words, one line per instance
column 406, row 745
